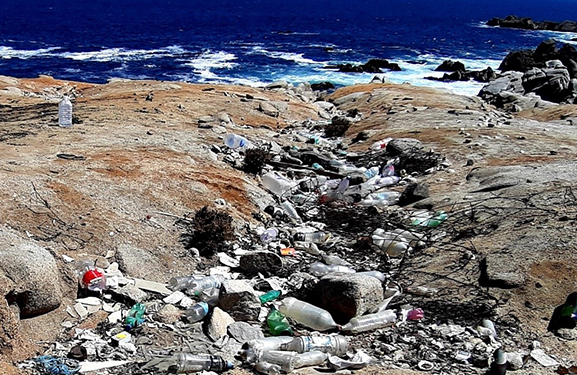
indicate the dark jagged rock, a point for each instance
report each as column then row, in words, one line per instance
column 450, row 66
column 520, row 61
column 525, row 23
column 485, row 75
column 371, row 66
column 321, row 86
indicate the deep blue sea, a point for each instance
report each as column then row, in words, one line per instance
column 254, row 42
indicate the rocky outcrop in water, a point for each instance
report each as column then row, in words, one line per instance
column 460, row 73
column 525, row 23
column 371, row 66
column 548, row 72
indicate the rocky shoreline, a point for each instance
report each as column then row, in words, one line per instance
column 145, row 150
column 526, row 23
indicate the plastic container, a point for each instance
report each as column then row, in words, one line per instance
column 291, row 212
column 253, row 349
column 424, row 219
column 90, row 277
column 313, row 358
column 371, row 321
column 278, row 323
column 196, row 312
column 319, row 269
column 277, row 184
column 235, row 141
column 269, row 235
column 286, row 360
column 376, row 274
column 307, row 314
column 381, row 144
column 210, row 296
column 65, row 112
column 388, row 170
column 268, row 368
column 182, row 282
column 372, row 172
column 315, row 237
column 135, row 316
column 197, row 286
column 309, row 247
column 188, row 362
column 269, row 296
column 391, row 243
column 335, row 345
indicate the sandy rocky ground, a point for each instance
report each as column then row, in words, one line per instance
column 139, row 151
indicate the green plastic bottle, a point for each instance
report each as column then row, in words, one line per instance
column 135, row 316
column 278, row 323
column 269, row 296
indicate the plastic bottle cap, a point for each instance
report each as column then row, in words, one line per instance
column 92, row 277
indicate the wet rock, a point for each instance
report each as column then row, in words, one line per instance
column 450, row 66
column 238, row 298
column 265, row 262
column 243, row 332
column 169, row 314
column 347, row 296
column 277, row 85
column 321, row 86
column 218, row 324
column 32, row 273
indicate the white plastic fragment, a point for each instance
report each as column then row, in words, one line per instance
column 95, row 366
column 174, row 298
column 544, row 360
column 359, row 360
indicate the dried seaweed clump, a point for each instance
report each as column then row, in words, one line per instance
column 255, row 159
column 208, row 231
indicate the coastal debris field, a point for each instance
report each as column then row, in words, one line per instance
column 143, row 156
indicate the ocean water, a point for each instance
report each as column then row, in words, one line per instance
column 254, row 42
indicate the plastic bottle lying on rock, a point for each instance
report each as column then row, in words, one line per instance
column 253, row 349
column 188, row 362
column 371, row 321
column 335, row 345
column 391, row 243
column 277, row 184
column 315, row 237
column 267, row 368
column 309, row 315
column 235, row 141
column 291, row 212
column 319, row 269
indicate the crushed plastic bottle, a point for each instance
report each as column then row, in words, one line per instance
column 425, row 219
column 335, row 345
column 253, row 349
column 269, row 296
column 391, row 243
column 309, row 315
column 277, row 184
column 135, row 316
column 235, row 141
column 371, row 321
column 188, row 362
column 197, row 286
column 278, row 323
column 291, row 212
column 315, row 237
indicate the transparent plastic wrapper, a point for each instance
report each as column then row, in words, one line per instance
column 359, row 360
column 268, row 368
column 371, row 321
column 307, row 314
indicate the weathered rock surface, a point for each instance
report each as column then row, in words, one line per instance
column 347, row 296
column 265, row 262
column 218, row 323
column 239, row 299
column 33, row 273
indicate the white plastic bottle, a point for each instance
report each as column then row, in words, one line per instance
column 277, row 184
column 335, row 345
column 319, row 269
column 65, row 112
column 309, row 315
column 391, row 243
column 291, row 212
column 371, row 321
column 196, row 312
column 315, row 237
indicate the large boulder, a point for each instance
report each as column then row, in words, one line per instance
column 347, row 295
column 520, row 61
column 34, row 277
column 239, row 299
column 402, row 146
column 508, row 81
column 450, row 66
column 550, row 83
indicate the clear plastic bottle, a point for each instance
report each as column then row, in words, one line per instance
column 391, row 243
column 376, row 274
column 286, row 360
column 188, row 362
column 315, row 237
column 267, row 368
column 319, row 269
column 196, row 312
column 371, row 321
column 335, row 345
column 372, row 172
column 309, row 247
column 197, row 286
column 253, row 349
column 65, row 112
column 277, row 184
column 313, row 358
column 182, row 282
column 309, row 315
column 291, row 212
column 235, row 141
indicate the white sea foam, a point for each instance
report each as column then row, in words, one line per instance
column 123, row 54
column 10, row 53
column 288, row 56
column 212, row 60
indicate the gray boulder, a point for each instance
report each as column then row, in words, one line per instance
column 501, row 270
column 508, row 81
column 347, row 295
column 402, row 146
column 243, row 332
column 550, row 83
column 238, row 298
column 34, row 277
column 268, row 109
